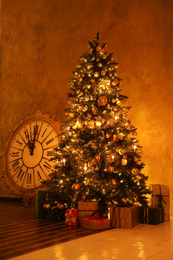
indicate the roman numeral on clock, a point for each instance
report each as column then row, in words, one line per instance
column 29, row 178
column 47, row 165
column 20, row 175
column 39, row 176
column 15, row 165
column 50, row 153
column 15, row 154
column 17, row 141
column 51, row 140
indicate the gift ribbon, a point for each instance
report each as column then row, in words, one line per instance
column 70, row 218
column 95, row 218
column 160, row 197
column 119, row 216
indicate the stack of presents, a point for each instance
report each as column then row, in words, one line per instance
column 87, row 217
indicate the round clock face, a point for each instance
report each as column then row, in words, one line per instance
column 29, row 152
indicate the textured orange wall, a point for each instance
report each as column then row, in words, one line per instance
column 42, row 42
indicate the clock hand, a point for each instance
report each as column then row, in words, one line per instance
column 32, row 143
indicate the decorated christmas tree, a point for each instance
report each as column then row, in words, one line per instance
column 98, row 157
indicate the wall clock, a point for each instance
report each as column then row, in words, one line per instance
column 29, row 152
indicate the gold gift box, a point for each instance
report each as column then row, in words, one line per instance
column 124, row 217
column 157, row 191
column 87, row 208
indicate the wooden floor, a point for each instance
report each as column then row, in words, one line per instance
column 21, row 233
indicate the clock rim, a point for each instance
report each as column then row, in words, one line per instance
column 17, row 129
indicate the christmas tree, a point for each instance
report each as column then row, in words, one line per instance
column 98, row 157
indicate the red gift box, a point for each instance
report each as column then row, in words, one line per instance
column 72, row 217
column 95, row 223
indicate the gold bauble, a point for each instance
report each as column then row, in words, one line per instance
column 118, row 103
column 84, row 108
column 92, row 80
column 124, row 200
column 136, row 159
column 113, row 100
column 122, row 151
column 103, row 72
column 107, row 135
column 60, row 206
column 127, row 125
column 96, row 74
column 99, row 48
column 120, row 136
column 110, row 122
column 91, row 124
column 113, row 182
column 114, row 82
column 80, row 79
column 114, row 137
column 102, row 101
column 134, row 170
column 63, row 137
column 135, row 198
column 124, row 161
column 111, row 169
column 71, row 114
column 81, row 150
column 46, row 206
column 75, row 187
column 97, row 157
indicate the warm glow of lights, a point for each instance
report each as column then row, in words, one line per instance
column 85, row 167
column 98, row 124
column 134, row 147
column 116, row 119
column 63, row 161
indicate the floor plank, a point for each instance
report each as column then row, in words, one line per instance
column 21, row 233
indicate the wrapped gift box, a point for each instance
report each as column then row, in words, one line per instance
column 160, row 198
column 72, row 217
column 87, row 208
column 95, row 223
column 124, row 217
column 151, row 215
column 40, row 196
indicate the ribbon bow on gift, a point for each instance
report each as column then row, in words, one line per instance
column 70, row 219
column 97, row 217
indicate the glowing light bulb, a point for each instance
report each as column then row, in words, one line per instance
column 63, row 161
column 98, row 124
column 116, row 119
column 134, row 147
column 85, row 167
